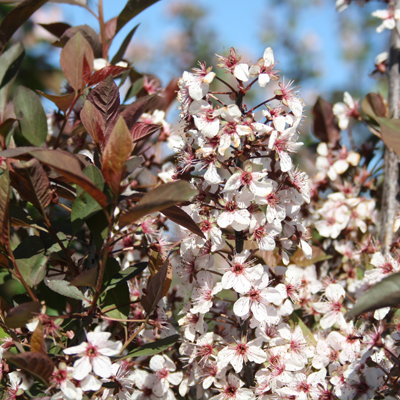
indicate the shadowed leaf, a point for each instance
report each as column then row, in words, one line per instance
column 118, row 297
column 133, row 112
column 10, row 61
column 166, row 97
column 125, row 275
column 160, row 198
column 75, row 55
column 390, row 132
column 385, row 293
column 325, row 128
column 116, row 152
column 33, row 121
column 131, row 9
column 133, row 163
column 105, row 97
column 15, row 18
column 87, row 32
column 92, row 120
column 181, row 218
column 87, row 278
column 142, row 130
column 4, row 210
column 119, row 55
column 37, row 364
column 62, row 102
column 32, row 183
column 56, row 28
column 154, row 288
column 150, row 349
column 104, row 73
column 18, row 316
column 6, row 126
column 64, row 288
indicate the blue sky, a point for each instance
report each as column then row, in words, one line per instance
column 239, row 24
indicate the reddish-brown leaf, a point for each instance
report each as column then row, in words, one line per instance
column 37, row 340
column 87, row 70
column 65, row 163
column 4, row 210
column 38, row 364
column 69, row 166
column 86, row 278
column 117, row 150
column 155, row 288
column 105, row 97
column 142, row 130
column 15, row 18
column 94, row 124
column 74, row 56
column 166, row 97
column 110, row 28
column 18, row 316
column 325, row 128
column 62, row 102
column 160, row 198
column 56, row 28
column 32, row 183
column 104, row 73
column 181, row 218
column 132, row 113
column 390, row 131
column 375, row 105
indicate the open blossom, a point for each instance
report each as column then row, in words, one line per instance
column 232, row 389
column 331, row 308
column 259, row 300
column 164, row 369
column 94, row 355
column 264, row 68
column 343, row 111
column 388, row 17
column 240, row 352
column 203, row 295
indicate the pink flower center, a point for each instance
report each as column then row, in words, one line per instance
column 163, row 373
column 238, row 269
column 241, row 349
column 387, row 268
column 60, row 376
column 230, row 128
column 205, row 226
column 254, row 295
column 303, row 387
column 231, row 206
column 230, row 391
column 246, row 178
column 91, row 351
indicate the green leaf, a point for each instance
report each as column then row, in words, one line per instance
column 150, row 349
column 98, row 225
column 64, row 288
column 10, row 61
column 390, row 131
column 76, row 61
column 119, row 55
column 131, row 9
column 125, row 275
column 15, row 18
column 85, row 205
column 118, row 296
column 33, row 124
column 86, row 278
column 31, row 260
column 160, row 198
column 385, row 293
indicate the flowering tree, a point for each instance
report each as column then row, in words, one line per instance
column 219, row 272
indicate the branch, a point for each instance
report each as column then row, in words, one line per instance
column 390, row 184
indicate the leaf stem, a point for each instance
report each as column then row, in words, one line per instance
column 127, row 343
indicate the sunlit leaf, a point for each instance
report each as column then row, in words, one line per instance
column 390, row 132
column 375, row 105
column 33, row 121
column 385, row 293
column 86, row 278
column 142, row 130
column 94, row 124
column 118, row 297
column 304, row 328
column 116, row 152
column 150, row 349
column 300, row 260
column 64, row 288
column 37, row 340
column 104, row 73
column 74, row 56
column 181, row 218
column 159, row 199
column 62, row 102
